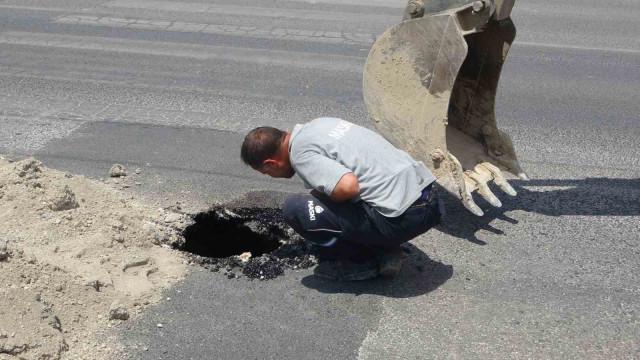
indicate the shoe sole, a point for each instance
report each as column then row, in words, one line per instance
column 361, row 276
column 325, row 277
column 391, row 264
column 365, row 275
column 389, row 273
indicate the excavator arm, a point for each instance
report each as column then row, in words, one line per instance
column 430, row 84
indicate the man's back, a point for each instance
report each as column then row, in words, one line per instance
column 325, row 149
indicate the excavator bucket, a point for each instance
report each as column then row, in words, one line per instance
column 430, row 85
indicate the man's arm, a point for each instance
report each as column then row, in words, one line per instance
column 326, row 176
column 346, row 189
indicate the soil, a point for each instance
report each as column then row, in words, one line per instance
column 77, row 256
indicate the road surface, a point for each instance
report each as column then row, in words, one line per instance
column 173, row 86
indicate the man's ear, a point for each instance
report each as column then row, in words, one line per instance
column 268, row 162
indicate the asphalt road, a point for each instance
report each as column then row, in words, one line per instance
column 173, row 86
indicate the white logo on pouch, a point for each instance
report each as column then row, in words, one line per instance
column 319, row 210
column 312, row 213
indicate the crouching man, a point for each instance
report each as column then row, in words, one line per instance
column 367, row 197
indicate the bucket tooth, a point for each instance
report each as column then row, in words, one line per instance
column 521, row 174
column 467, row 199
column 471, row 206
column 498, row 179
column 483, row 189
column 457, row 179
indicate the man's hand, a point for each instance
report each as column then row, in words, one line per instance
column 346, row 189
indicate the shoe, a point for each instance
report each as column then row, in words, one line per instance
column 344, row 270
column 391, row 263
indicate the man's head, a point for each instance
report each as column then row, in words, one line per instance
column 266, row 150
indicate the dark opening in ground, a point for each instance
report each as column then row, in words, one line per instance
column 220, row 233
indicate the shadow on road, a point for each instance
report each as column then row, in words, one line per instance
column 419, row 275
column 551, row 197
column 585, row 197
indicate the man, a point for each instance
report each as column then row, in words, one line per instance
column 367, row 197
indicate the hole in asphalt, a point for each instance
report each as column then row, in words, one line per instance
column 220, row 233
column 217, row 236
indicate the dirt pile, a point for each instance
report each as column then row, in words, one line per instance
column 76, row 256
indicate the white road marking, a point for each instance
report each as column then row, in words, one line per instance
column 394, row 4
column 329, row 37
column 299, row 14
column 573, row 47
column 202, row 52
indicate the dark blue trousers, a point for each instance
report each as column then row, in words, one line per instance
column 354, row 230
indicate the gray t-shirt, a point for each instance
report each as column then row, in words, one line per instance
column 325, row 149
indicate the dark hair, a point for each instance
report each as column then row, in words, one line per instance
column 260, row 144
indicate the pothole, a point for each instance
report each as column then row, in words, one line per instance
column 219, row 239
column 221, row 233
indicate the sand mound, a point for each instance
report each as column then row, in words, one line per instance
column 76, row 256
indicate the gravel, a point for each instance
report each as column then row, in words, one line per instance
column 117, row 170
